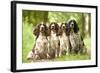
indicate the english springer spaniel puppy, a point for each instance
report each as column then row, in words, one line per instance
column 64, row 40
column 75, row 38
column 40, row 49
column 53, row 39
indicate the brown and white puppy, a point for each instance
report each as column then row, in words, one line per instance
column 40, row 49
column 53, row 40
column 64, row 40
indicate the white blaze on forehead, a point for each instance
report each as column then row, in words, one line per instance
column 72, row 22
column 53, row 24
column 63, row 25
column 42, row 25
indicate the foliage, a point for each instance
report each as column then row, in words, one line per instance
column 28, row 40
column 32, row 18
column 35, row 17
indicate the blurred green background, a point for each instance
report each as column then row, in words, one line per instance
column 31, row 18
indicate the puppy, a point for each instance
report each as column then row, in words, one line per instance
column 64, row 40
column 40, row 49
column 54, row 43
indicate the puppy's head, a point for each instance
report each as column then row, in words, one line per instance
column 63, row 28
column 53, row 27
column 40, row 28
column 72, row 25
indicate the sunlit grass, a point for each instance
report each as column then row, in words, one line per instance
column 73, row 57
column 29, row 40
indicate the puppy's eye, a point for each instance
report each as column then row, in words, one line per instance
column 52, row 27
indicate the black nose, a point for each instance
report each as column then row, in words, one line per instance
column 72, row 25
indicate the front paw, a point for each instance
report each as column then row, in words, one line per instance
column 30, row 56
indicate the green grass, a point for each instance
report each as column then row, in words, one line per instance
column 29, row 40
column 73, row 57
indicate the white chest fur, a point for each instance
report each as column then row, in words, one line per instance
column 63, row 39
column 53, row 40
column 41, row 43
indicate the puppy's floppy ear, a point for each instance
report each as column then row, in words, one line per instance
column 46, row 30
column 50, row 26
column 56, row 27
column 68, row 28
column 60, row 29
column 36, row 30
column 76, row 28
column 49, row 29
